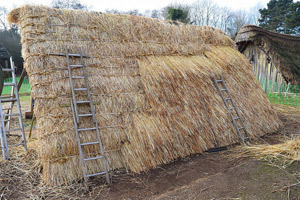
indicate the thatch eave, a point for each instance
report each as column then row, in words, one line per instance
column 282, row 49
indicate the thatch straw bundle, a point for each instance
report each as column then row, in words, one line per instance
column 151, row 86
column 281, row 155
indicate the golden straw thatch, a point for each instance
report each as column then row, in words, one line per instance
column 151, row 86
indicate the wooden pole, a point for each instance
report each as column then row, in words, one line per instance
column 33, row 118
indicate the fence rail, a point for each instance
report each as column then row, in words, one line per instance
column 281, row 93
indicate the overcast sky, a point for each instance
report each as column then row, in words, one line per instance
column 142, row 5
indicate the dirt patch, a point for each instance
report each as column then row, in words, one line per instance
column 219, row 175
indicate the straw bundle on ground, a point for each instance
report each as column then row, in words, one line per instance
column 150, row 82
column 282, row 154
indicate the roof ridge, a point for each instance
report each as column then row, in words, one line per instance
column 253, row 28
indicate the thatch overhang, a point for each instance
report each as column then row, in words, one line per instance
column 282, row 49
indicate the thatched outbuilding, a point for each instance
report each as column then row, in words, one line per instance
column 275, row 57
column 151, row 86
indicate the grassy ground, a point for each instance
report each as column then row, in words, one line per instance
column 25, row 88
column 292, row 100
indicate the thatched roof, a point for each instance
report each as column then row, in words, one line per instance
column 150, row 82
column 283, row 50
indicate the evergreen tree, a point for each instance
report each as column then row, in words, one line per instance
column 11, row 40
column 293, row 18
column 281, row 16
column 178, row 14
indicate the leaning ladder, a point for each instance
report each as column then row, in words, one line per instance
column 14, row 97
column 75, row 104
column 233, row 112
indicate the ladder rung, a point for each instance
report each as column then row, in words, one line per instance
column 231, row 108
column 8, row 100
column 69, row 54
column 6, row 96
column 227, row 99
column 218, row 81
column 14, row 145
column 100, row 173
column 7, row 70
column 223, row 89
column 241, row 128
column 236, row 118
column 80, row 89
column 13, row 114
column 77, row 76
column 85, row 115
column 16, row 129
column 76, row 66
column 80, row 102
column 74, row 54
column 9, row 84
column 89, row 143
column 93, row 158
column 87, row 129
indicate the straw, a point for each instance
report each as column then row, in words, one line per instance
column 151, row 86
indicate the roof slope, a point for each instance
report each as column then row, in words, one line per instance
column 151, row 84
column 283, row 49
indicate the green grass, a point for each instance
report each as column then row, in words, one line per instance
column 25, row 98
column 25, row 87
column 281, row 93
column 288, row 99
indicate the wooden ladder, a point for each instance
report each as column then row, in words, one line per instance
column 89, row 113
column 6, row 117
column 232, row 110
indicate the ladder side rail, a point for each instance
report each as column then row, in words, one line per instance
column 237, row 112
column 233, row 120
column 228, row 109
column 13, row 95
column 11, row 104
column 2, row 144
column 94, row 117
column 240, row 119
column 18, row 105
column 72, row 85
column 78, row 141
column 5, row 150
column 221, row 94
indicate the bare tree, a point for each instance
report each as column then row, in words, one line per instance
column 208, row 13
column 226, row 18
column 3, row 16
column 113, row 11
column 157, row 14
column 205, row 13
column 241, row 17
column 254, row 13
column 68, row 4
